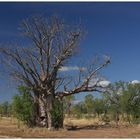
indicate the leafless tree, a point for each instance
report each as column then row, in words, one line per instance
column 39, row 66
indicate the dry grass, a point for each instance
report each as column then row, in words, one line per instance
column 9, row 129
column 74, row 121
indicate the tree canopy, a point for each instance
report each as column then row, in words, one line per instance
column 38, row 66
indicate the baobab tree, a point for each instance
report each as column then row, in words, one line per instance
column 53, row 43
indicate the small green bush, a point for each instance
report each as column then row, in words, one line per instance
column 22, row 106
column 57, row 114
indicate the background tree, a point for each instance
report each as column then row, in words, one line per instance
column 99, row 107
column 89, row 104
column 5, row 109
column 79, row 109
column 113, row 95
column 39, row 66
column 130, row 102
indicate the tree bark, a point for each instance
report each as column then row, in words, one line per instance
column 49, row 112
column 42, row 111
column 49, row 109
column 36, row 109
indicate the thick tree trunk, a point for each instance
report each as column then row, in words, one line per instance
column 42, row 111
column 36, row 109
column 49, row 112
column 54, row 113
column 49, row 109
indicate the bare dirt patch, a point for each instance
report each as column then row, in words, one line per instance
column 9, row 129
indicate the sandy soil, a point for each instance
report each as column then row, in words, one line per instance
column 9, row 129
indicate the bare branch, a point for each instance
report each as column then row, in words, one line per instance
column 85, row 86
column 54, row 43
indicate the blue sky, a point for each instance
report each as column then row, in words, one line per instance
column 112, row 29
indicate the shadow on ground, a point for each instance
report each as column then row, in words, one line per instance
column 87, row 127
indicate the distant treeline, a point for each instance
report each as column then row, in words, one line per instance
column 120, row 102
column 5, row 109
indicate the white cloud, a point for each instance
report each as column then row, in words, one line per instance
column 71, row 68
column 135, row 82
column 104, row 83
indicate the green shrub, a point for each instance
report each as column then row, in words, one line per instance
column 22, row 106
column 57, row 113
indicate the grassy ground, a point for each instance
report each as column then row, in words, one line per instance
column 86, row 128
